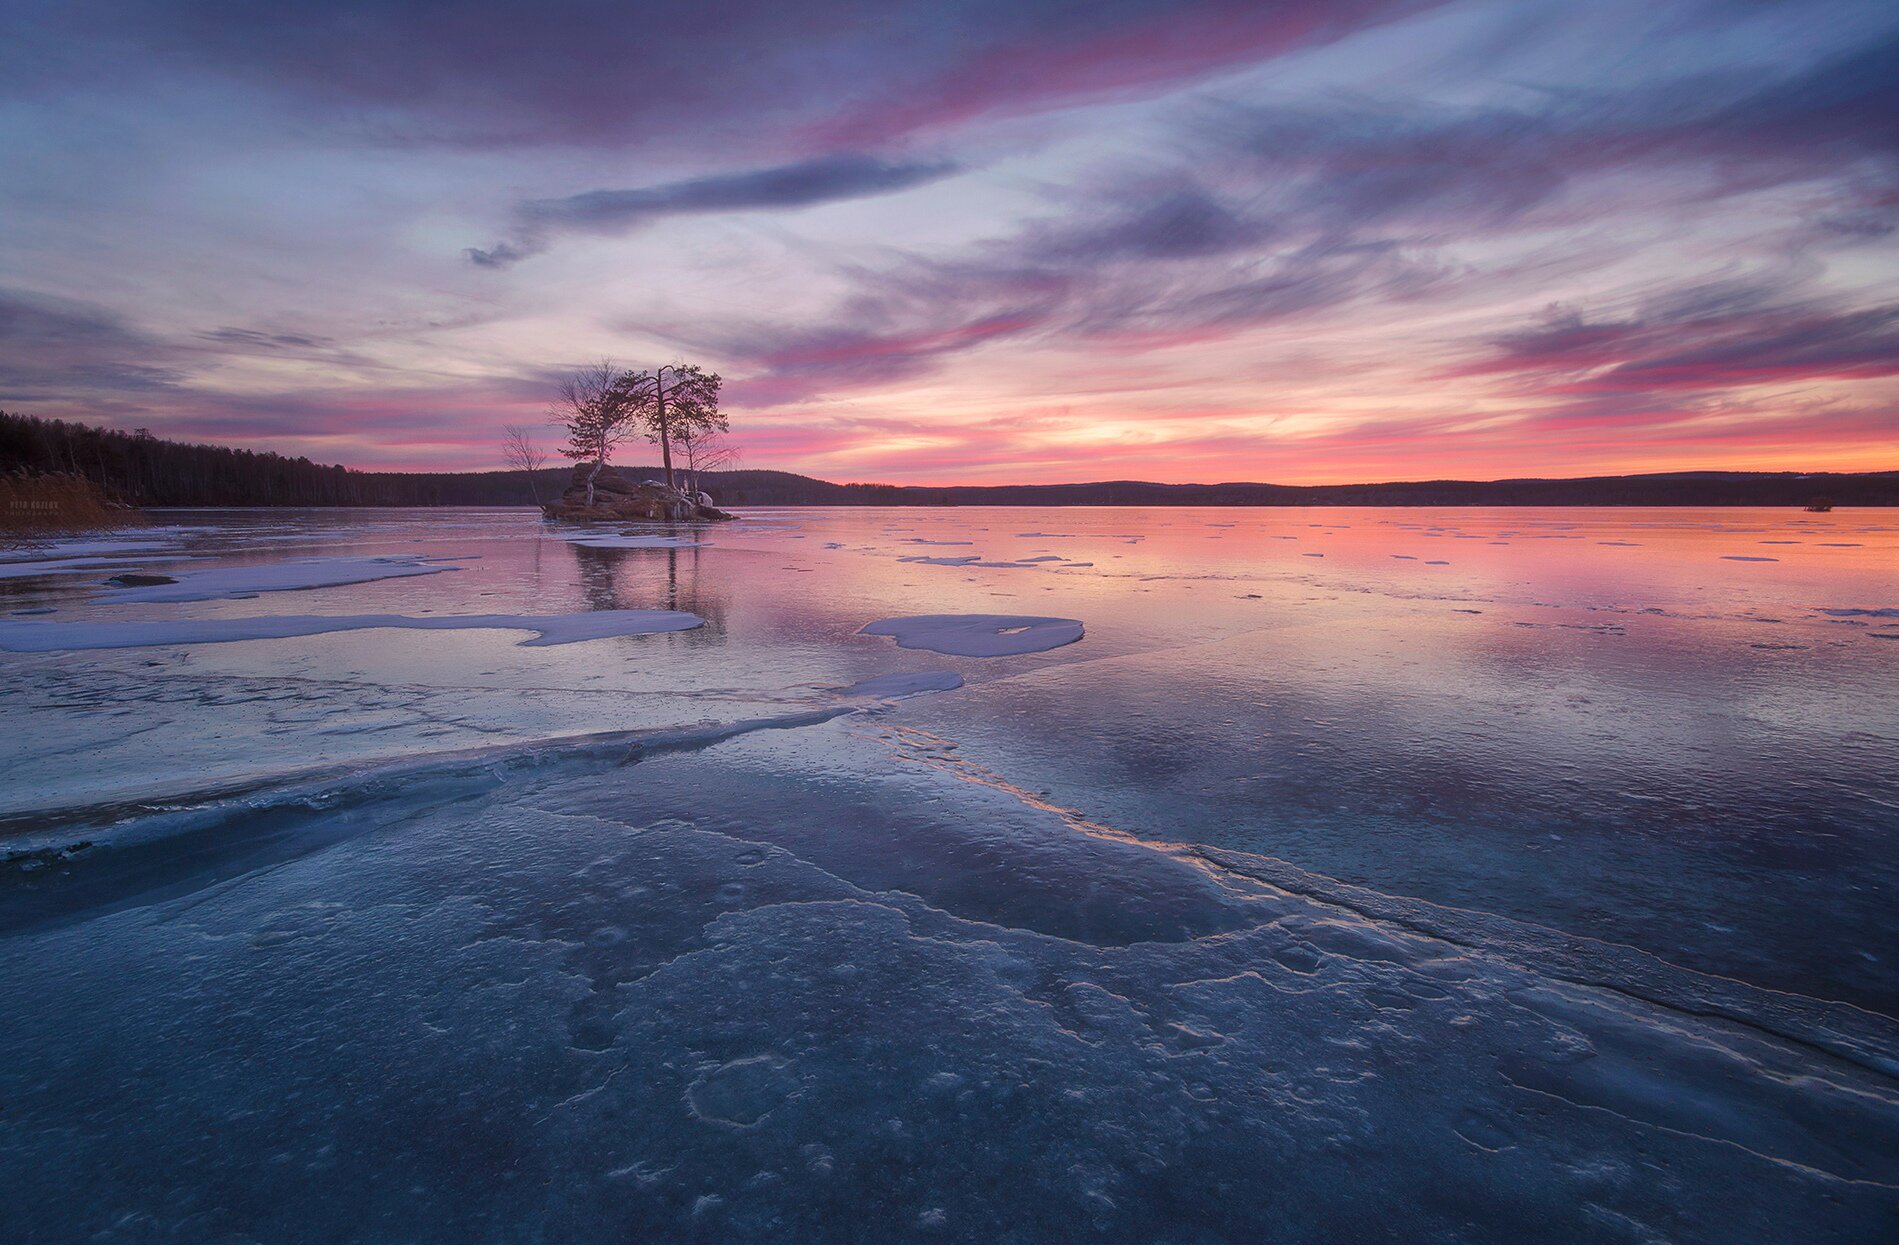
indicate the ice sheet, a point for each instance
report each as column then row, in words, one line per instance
column 1543, row 895
column 913, row 683
column 779, row 981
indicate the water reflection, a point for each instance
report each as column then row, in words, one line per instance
column 667, row 578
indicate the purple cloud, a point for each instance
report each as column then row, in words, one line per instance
column 50, row 348
column 825, row 179
column 750, row 75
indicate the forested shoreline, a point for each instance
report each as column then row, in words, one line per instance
column 143, row 470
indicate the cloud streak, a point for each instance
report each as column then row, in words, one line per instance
column 50, row 348
column 783, row 187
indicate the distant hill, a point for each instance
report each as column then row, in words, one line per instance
column 1679, row 488
column 151, row 471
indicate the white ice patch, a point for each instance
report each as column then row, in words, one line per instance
column 911, row 683
column 978, row 635
column 50, row 637
column 965, row 561
column 224, row 582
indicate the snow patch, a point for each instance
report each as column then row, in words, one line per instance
column 225, row 582
column 49, row 637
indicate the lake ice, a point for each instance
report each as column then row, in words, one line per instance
column 1440, row 889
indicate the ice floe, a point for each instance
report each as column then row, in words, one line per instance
column 978, row 635
column 223, row 582
column 48, row 637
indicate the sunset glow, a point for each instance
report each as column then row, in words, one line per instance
column 1170, row 240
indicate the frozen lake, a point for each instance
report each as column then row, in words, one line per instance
column 1181, row 875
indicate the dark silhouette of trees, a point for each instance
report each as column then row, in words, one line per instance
column 676, row 404
column 140, row 469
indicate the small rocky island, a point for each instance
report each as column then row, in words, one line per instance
column 610, row 495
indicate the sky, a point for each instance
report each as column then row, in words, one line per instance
column 970, row 241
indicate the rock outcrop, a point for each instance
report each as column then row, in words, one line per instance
column 616, row 497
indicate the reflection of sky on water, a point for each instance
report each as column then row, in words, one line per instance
column 1588, row 719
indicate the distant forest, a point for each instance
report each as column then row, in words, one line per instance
column 144, row 470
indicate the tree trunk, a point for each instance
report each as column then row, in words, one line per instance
column 597, row 464
column 665, row 434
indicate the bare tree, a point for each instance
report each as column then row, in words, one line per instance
column 700, row 435
column 519, row 451
column 595, row 407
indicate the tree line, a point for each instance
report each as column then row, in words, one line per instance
column 141, row 469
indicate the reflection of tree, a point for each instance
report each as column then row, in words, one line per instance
column 654, row 579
